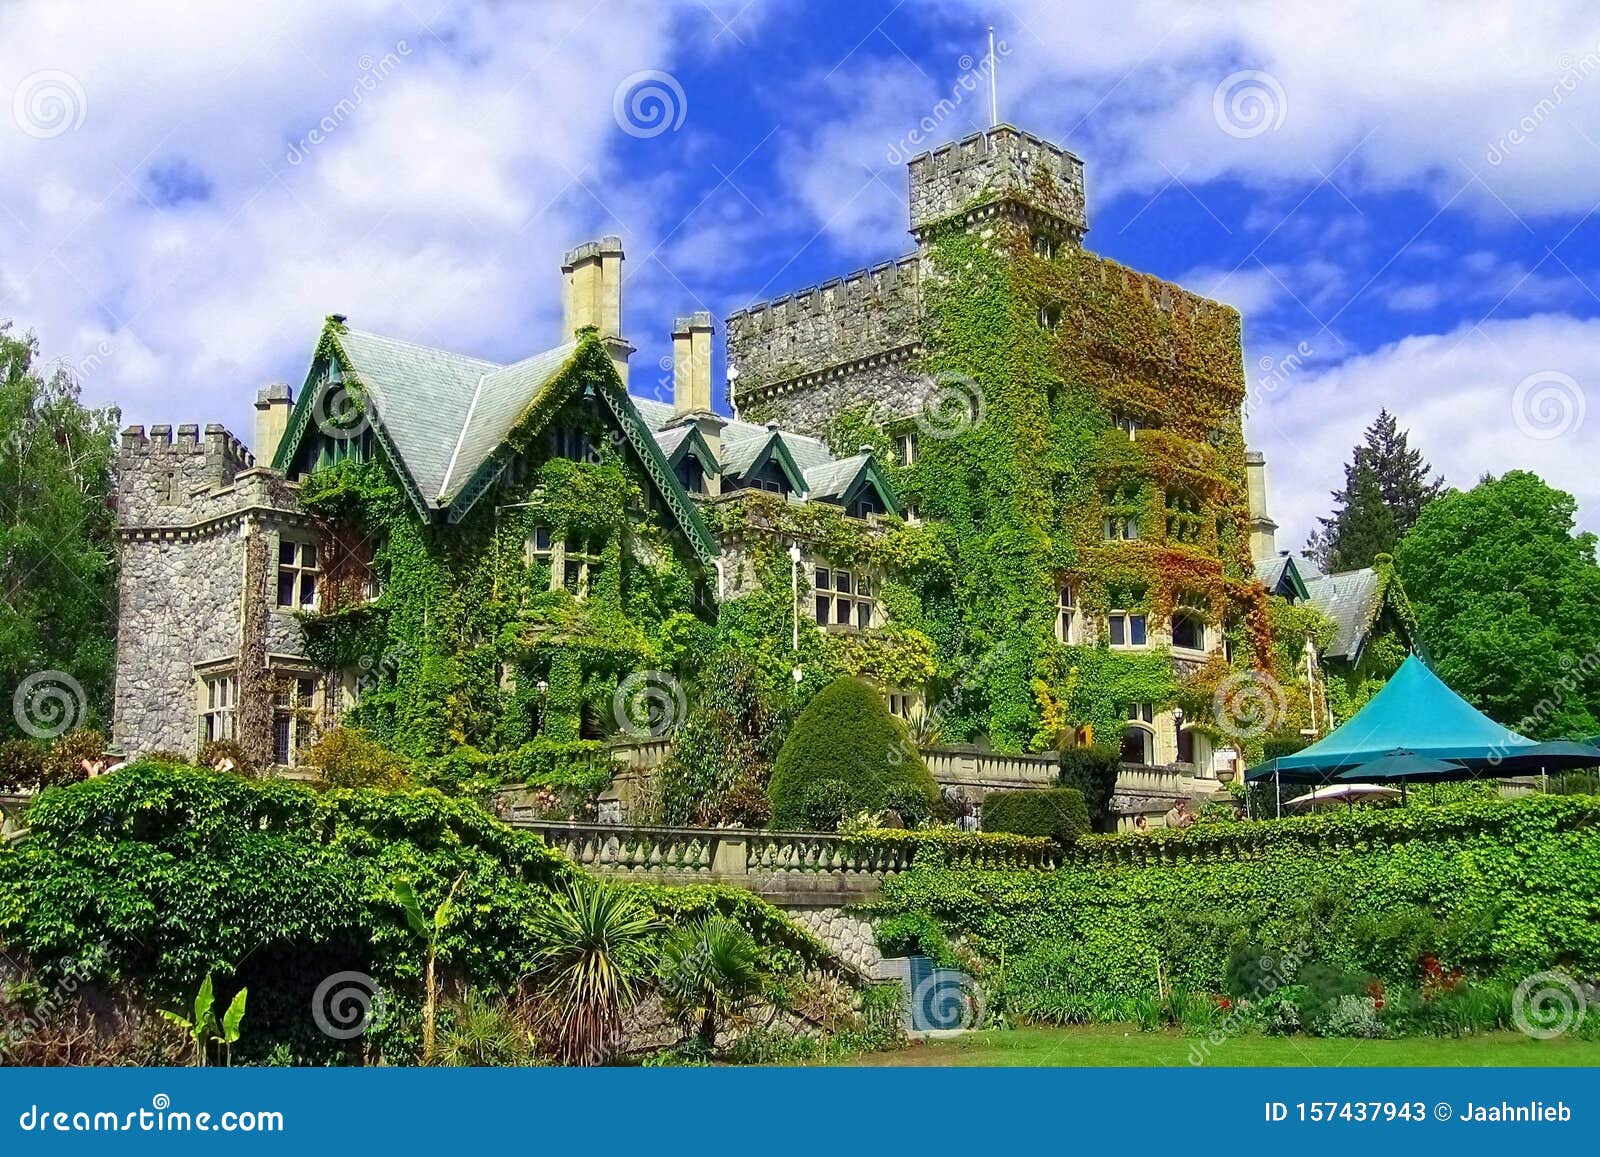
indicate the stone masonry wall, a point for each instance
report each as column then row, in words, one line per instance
column 187, row 510
column 852, row 937
column 987, row 165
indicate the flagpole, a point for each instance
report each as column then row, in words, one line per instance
column 994, row 100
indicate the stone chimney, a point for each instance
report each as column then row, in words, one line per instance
column 691, row 364
column 1263, row 531
column 592, row 296
column 273, row 406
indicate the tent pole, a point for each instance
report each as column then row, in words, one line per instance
column 1277, row 788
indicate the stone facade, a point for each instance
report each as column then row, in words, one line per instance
column 198, row 525
column 855, row 341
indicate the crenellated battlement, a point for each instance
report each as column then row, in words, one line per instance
column 163, row 472
column 1002, row 164
column 864, row 314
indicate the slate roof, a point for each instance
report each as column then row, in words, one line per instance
column 834, row 479
column 1351, row 600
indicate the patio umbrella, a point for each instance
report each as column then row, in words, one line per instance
column 1404, row 766
column 1345, row 793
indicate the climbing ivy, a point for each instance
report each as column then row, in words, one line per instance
column 468, row 650
column 1049, row 354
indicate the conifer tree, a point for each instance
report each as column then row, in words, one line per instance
column 1387, row 482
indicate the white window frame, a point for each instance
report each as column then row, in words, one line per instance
column 297, row 707
column 1127, row 619
column 219, row 704
column 1069, row 624
column 1123, row 529
column 825, row 586
column 299, row 573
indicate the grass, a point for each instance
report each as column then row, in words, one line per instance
column 1125, row 1045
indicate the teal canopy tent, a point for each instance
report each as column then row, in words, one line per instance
column 1415, row 712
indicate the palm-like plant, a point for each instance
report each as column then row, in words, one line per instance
column 590, row 957
column 431, row 931
column 708, row 973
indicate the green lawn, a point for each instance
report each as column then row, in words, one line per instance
column 1124, row 1046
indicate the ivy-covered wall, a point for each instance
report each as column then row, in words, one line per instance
column 1047, row 354
column 468, row 656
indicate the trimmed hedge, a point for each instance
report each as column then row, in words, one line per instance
column 1058, row 813
column 1093, row 771
column 1490, row 887
column 846, row 754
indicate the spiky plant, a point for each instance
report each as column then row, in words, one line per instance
column 479, row 1033
column 709, row 971
column 588, row 964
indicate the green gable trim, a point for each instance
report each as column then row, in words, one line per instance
column 871, row 475
column 1296, row 583
column 330, row 353
column 776, row 449
column 592, row 365
column 694, row 444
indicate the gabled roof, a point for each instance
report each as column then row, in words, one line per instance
column 1282, row 576
column 841, row 481
column 1357, row 601
column 444, row 418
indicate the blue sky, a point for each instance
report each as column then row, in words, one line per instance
column 1399, row 197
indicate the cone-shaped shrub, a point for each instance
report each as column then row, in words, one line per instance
column 846, row 754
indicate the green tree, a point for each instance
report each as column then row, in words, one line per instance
column 57, row 568
column 590, row 959
column 1507, row 599
column 1387, row 483
column 846, row 754
column 722, row 757
column 708, row 972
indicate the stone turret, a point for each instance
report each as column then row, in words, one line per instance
column 1001, row 172
column 159, row 475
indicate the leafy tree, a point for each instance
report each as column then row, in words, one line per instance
column 1508, row 603
column 847, row 754
column 722, row 757
column 430, row 930
column 1387, row 484
column 57, row 569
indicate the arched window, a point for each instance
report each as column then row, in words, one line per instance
column 1138, row 737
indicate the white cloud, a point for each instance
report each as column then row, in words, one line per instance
column 1248, row 289
column 1457, row 393
column 463, row 151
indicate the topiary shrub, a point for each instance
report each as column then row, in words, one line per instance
column 1093, row 771
column 846, row 752
column 1059, row 813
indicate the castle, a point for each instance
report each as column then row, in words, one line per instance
column 1092, row 486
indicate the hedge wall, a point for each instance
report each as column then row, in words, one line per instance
column 1059, row 813
column 1490, row 887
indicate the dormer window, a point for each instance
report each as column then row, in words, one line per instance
column 691, row 475
column 866, row 503
column 770, row 478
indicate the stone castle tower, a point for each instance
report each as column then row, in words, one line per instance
column 200, row 527
column 799, row 359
